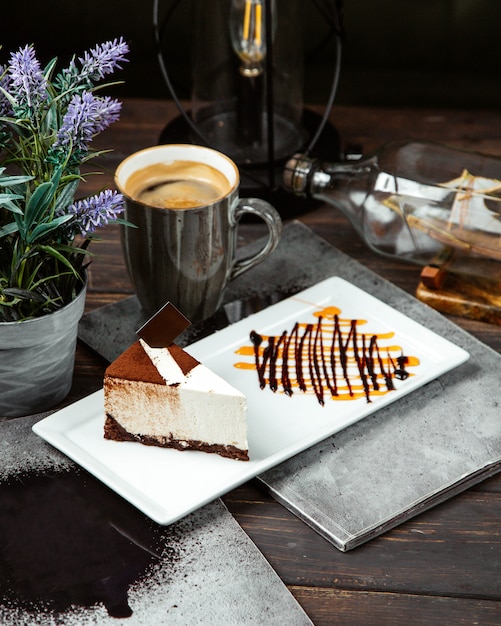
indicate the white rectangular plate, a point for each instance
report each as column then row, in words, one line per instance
column 168, row 484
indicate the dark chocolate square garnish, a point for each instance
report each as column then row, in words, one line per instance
column 162, row 328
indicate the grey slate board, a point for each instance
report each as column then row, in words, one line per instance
column 205, row 568
column 415, row 453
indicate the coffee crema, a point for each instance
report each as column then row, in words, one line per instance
column 177, row 185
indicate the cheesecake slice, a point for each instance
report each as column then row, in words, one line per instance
column 165, row 397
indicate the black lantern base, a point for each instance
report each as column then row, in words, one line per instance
column 263, row 179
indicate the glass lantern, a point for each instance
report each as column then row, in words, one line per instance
column 247, row 70
column 248, row 77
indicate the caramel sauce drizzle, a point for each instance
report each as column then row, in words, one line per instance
column 330, row 358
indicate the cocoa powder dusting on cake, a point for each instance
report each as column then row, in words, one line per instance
column 134, row 364
column 185, row 361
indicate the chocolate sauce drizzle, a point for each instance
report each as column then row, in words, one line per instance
column 325, row 363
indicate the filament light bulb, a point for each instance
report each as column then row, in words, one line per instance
column 247, row 27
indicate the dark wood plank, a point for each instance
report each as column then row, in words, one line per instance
column 344, row 607
column 434, row 553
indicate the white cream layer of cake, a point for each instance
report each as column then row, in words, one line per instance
column 199, row 406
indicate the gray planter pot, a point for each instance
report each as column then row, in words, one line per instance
column 37, row 358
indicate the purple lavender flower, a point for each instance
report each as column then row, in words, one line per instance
column 27, row 80
column 92, row 67
column 94, row 212
column 86, row 116
column 103, row 59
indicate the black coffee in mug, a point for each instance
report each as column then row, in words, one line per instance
column 177, row 185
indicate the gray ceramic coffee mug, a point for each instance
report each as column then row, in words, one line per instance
column 184, row 202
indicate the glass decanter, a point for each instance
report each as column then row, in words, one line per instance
column 418, row 201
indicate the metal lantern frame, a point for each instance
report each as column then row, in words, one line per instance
column 263, row 180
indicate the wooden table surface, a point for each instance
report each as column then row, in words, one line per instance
column 441, row 567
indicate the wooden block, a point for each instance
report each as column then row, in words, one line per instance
column 473, row 297
column 433, row 277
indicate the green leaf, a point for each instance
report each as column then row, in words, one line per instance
column 67, row 194
column 123, row 222
column 11, row 99
column 93, row 154
column 9, row 181
column 21, row 127
column 6, row 200
column 23, row 294
column 37, row 203
column 51, row 120
column 20, row 225
column 47, row 227
column 49, row 68
column 73, row 250
column 57, row 255
column 41, row 200
column 9, row 229
column 31, row 278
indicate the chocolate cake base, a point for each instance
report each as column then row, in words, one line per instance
column 116, row 432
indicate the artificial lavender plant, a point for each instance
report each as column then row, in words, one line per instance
column 47, row 123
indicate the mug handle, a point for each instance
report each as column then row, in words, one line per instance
column 264, row 210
